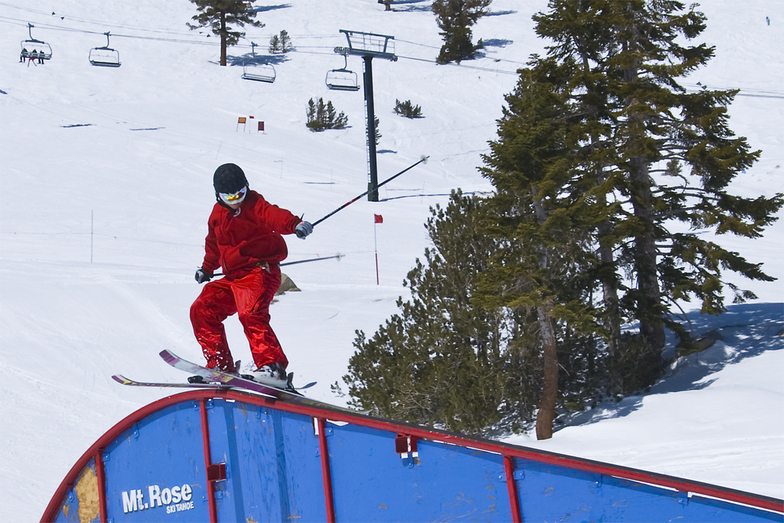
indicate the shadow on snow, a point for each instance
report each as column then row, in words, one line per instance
column 746, row 330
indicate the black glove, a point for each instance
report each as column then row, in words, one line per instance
column 202, row 277
column 302, row 229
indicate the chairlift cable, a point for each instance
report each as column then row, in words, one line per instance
column 299, row 48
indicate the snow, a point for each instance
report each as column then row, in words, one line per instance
column 106, row 186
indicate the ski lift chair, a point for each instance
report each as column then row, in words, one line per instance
column 342, row 79
column 43, row 49
column 104, row 56
column 259, row 72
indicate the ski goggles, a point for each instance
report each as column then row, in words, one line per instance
column 234, row 198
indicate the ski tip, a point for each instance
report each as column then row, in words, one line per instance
column 119, row 378
column 168, row 356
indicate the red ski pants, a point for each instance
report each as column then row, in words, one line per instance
column 249, row 297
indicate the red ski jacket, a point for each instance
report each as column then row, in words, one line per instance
column 241, row 240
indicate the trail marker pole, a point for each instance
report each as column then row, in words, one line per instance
column 377, row 218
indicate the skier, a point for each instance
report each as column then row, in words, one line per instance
column 244, row 239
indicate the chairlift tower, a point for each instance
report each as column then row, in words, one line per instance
column 369, row 46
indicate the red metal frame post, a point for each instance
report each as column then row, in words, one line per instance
column 205, row 434
column 511, row 486
column 325, row 472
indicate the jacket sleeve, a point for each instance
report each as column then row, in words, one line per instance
column 281, row 220
column 211, row 253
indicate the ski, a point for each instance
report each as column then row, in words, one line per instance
column 219, row 379
column 119, row 378
column 123, row 380
column 216, row 377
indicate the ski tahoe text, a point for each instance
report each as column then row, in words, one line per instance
column 175, row 499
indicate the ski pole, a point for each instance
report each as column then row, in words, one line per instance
column 422, row 160
column 338, row 256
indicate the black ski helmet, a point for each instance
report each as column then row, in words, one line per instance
column 229, row 178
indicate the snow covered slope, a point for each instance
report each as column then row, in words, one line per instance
column 105, row 178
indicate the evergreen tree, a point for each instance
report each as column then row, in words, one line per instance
column 588, row 172
column 652, row 156
column 376, row 132
column 221, row 15
column 333, row 120
column 285, row 41
column 323, row 116
column 542, row 255
column 408, row 109
column 316, row 114
column 455, row 18
column 274, row 45
column 441, row 361
column 280, row 43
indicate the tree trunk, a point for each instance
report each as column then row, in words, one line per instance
column 549, row 397
column 607, row 275
column 224, row 44
column 610, row 292
column 645, row 268
column 649, row 304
